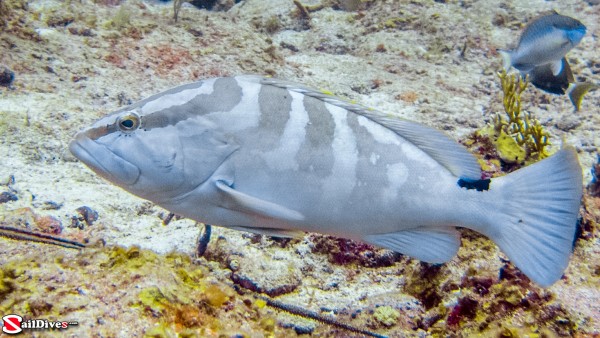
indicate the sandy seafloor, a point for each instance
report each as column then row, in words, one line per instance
column 432, row 62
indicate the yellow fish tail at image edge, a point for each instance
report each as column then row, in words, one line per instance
column 274, row 157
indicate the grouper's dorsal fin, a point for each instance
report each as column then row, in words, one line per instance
column 436, row 144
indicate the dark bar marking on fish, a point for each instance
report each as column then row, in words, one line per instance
column 479, row 185
column 275, row 106
column 26, row 235
column 225, row 96
column 386, row 154
column 317, row 148
column 298, row 311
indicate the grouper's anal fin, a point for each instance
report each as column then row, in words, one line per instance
column 242, row 202
column 428, row 244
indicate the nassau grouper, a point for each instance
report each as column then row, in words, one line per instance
column 276, row 158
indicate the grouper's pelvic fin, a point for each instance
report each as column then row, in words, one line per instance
column 535, row 221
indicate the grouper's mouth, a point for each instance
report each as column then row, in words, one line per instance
column 103, row 161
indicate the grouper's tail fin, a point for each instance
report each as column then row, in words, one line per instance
column 535, row 223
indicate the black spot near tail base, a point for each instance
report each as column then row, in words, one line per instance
column 479, row 185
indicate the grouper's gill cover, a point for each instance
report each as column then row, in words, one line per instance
column 273, row 157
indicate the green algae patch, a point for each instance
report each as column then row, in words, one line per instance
column 386, row 315
column 6, row 284
column 216, row 296
column 127, row 259
column 512, row 294
column 507, row 147
column 153, row 299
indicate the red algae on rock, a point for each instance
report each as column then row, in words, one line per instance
column 344, row 251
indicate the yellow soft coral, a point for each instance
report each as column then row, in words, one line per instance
column 527, row 131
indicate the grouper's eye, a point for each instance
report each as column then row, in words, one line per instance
column 129, row 122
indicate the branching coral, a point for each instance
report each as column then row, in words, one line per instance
column 527, row 131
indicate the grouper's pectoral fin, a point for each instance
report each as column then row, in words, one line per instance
column 242, row 202
column 432, row 245
column 271, row 232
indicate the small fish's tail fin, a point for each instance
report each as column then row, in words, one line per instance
column 506, row 62
column 535, row 224
column 578, row 90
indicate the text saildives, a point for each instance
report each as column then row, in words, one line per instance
column 44, row 324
